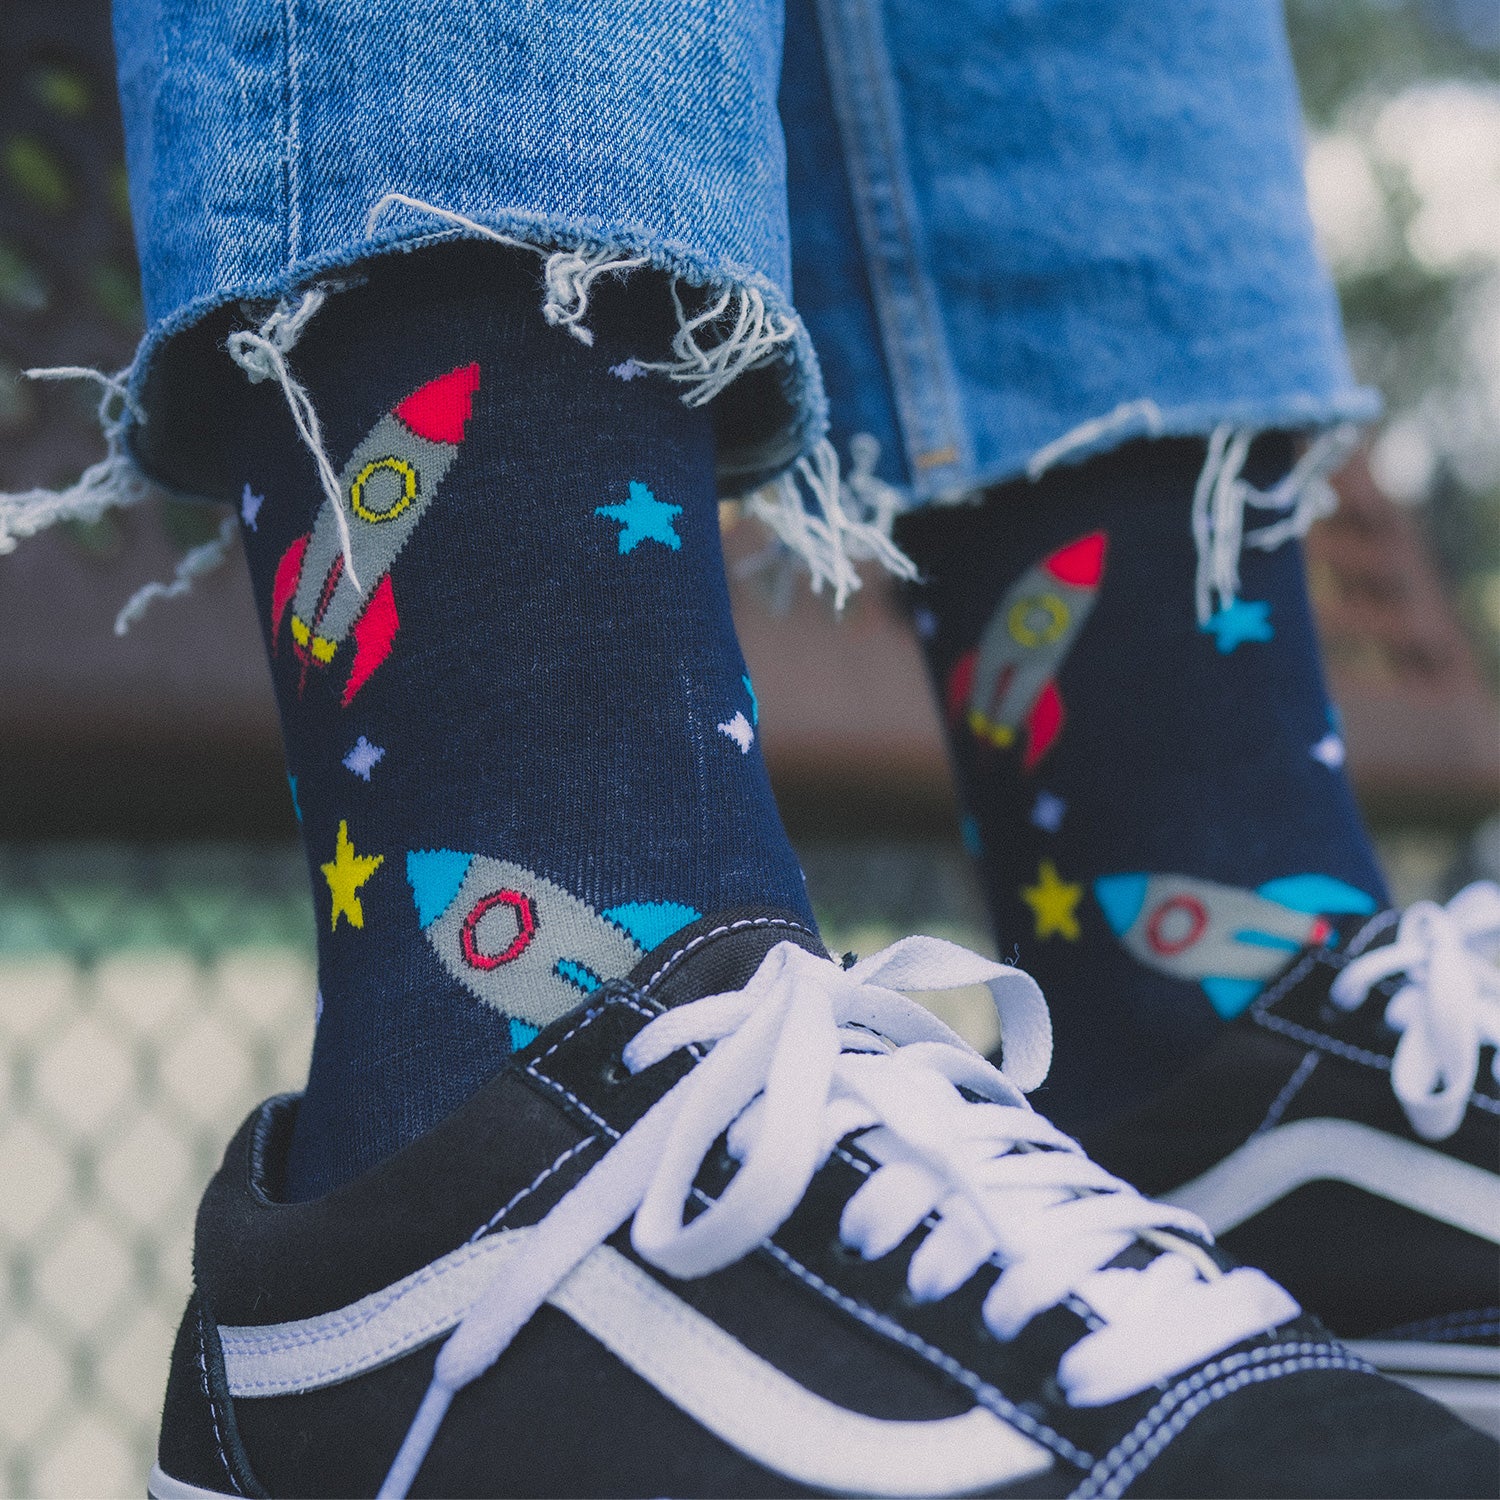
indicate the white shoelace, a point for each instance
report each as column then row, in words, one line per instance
column 1448, row 1008
column 807, row 1053
column 1223, row 497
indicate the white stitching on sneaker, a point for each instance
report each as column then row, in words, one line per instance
column 533, row 1068
column 1280, row 1103
column 981, row 1389
column 532, row 1186
column 213, row 1409
column 1260, row 1012
column 868, row 1315
column 1123, row 1464
column 1293, row 976
column 744, row 922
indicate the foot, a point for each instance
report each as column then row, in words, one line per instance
column 1343, row 1135
column 894, row 1277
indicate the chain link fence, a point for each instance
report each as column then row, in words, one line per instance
column 147, row 1000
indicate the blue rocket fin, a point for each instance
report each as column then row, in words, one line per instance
column 580, row 976
column 651, row 922
column 435, row 876
column 1122, row 897
column 521, row 1034
column 1318, row 895
column 1258, row 939
column 1230, row 996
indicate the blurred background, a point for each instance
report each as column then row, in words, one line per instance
column 155, row 930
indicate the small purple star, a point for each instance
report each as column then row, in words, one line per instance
column 363, row 758
column 1329, row 751
column 250, row 504
column 628, row 369
column 1048, row 812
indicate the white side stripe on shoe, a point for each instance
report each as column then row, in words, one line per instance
column 1271, row 1165
column 734, row 1393
column 282, row 1359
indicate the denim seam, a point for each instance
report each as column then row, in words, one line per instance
column 923, row 380
column 292, row 139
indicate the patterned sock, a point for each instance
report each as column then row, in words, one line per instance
column 523, row 746
column 1157, row 807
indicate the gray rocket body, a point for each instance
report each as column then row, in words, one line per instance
column 1022, row 647
column 1196, row 928
column 524, row 945
column 387, row 486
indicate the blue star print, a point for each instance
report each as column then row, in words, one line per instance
column 643, row 518
column 1244, row 620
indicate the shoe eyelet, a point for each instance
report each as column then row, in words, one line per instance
column 614, row 1071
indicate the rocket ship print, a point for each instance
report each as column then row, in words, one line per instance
column 1009, row 680
column 388, row 484
column 522, row 944
column 1227, row 939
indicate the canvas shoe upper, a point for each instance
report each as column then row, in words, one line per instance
column 1344, row 1134
column 753, row 1223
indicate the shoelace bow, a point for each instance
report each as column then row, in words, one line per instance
column 807, row 1053
column 1448, row 1008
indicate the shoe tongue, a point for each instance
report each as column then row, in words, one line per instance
column 719, row 953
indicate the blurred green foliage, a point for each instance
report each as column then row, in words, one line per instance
column 1416, row 325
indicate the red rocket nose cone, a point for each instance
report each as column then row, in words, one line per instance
column 438, row 410
column 1080, row 563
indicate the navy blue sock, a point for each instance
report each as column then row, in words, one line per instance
column 1158, row 809
column 524, row 747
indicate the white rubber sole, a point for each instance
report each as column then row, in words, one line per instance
column 1464, row 1377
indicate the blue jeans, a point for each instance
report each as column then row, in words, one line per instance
column 1020, row 230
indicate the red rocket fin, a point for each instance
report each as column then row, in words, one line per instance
column 1080, row 563
column 438, row 410
column 1043, row 724
column 284, row 585
column 960, row 680
column 373, row 632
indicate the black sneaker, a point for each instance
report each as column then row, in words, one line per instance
column 751, row 1223
column 1344, row 1134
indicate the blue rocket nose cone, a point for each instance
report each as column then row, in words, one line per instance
column 1121, row 897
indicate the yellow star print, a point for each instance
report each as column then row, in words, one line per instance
column 345, row 873
column 1055, row 903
